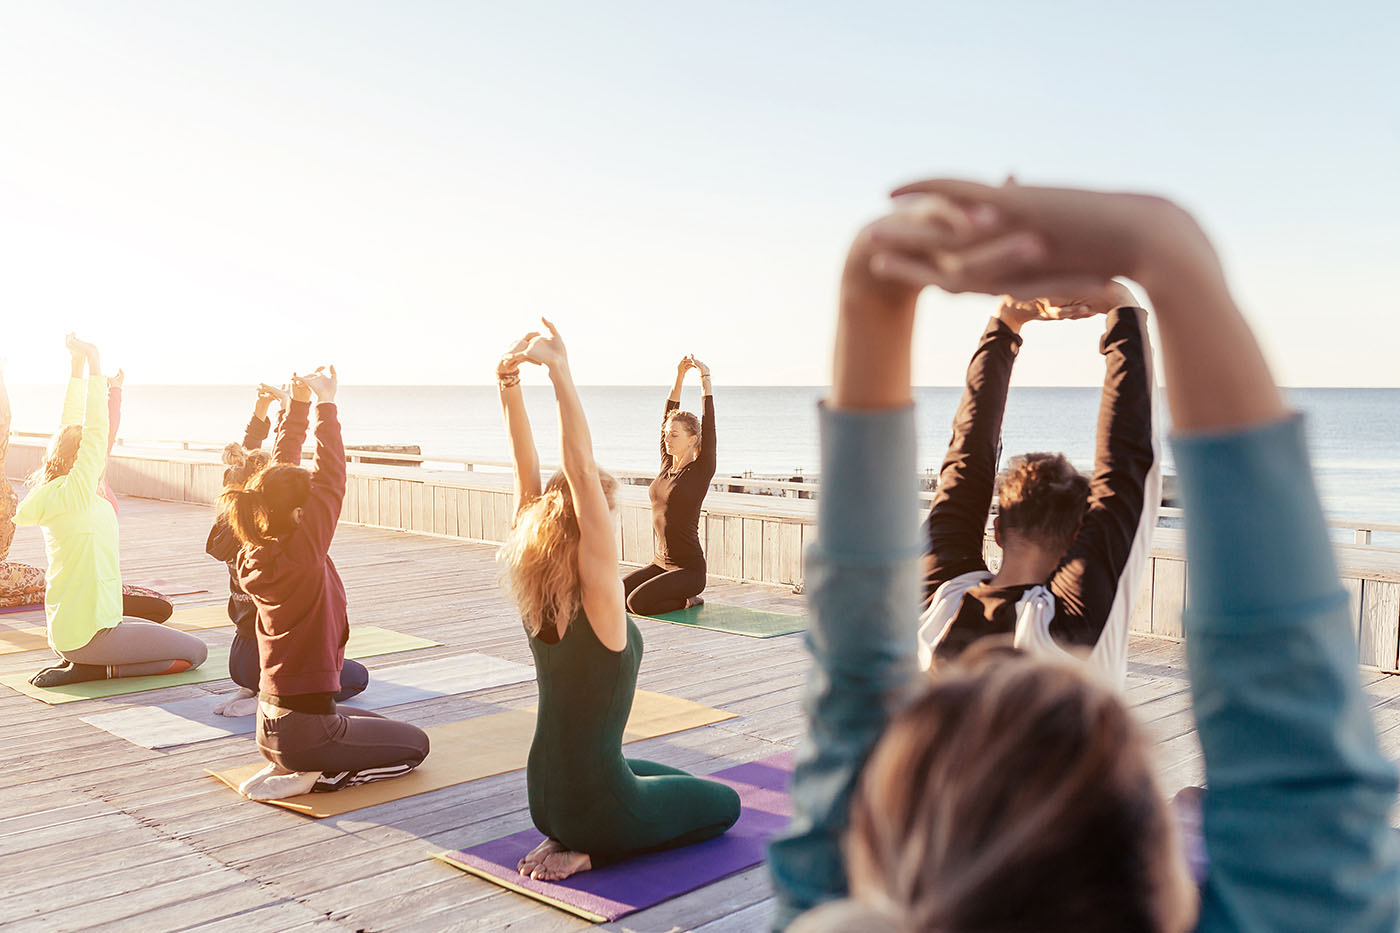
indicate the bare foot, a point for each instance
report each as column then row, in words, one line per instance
column 242, row 703
column 274, row 783
column 537, row 854
column 559, row 865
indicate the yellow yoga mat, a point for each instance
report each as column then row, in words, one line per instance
column 365, row 641
column 25, row 636
column 481, row 747
column 200, row 617
column 15, row 639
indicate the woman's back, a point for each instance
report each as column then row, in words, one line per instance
column 585, row 697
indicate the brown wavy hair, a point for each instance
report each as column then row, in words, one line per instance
column 689, row 420
column 1016, row 793
column 1042, row 497
column 243, row 464
column 60, row 457
column 540, row 558
column 262, row 511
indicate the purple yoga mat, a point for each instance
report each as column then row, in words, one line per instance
column 626, row 887
column 33, row 607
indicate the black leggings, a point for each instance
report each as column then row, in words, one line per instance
column 244, row 669
column 652, row 590
column 349, row 746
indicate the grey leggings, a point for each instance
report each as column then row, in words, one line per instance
column 348, row 741
column 133, row 648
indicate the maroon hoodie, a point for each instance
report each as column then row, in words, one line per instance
column 302, row 624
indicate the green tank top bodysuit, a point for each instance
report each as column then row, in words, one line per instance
column 583, row 792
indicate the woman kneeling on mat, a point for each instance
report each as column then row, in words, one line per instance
column 83, row 597
column 592, row 804
column 245, row 461
column 676, row 575
column 285, row 519
column 23, row 584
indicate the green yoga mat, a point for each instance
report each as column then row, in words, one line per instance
column 736, row 620
column 366, row 641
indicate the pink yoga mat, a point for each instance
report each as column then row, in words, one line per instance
column 623, row 888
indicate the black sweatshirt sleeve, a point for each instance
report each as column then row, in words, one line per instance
column 707, row 440
column 665, row 457
column 222, row 544
column 255, row 433
column 1117, row 524
column 958, row 517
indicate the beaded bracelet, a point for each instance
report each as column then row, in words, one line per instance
column 508, row 380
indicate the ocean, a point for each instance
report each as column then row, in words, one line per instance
column 767, row 430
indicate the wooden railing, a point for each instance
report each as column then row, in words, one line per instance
column 751, row 538
column 1361, row 529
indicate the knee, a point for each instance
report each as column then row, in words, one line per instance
column 421, row 746
column 731, row 806
column 197, row 652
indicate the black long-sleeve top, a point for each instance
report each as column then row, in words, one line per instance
column 677, row 497
column 224, row 545
column 1086, row 584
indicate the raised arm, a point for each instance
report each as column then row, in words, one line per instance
column 321, row 513
column 673, row 401
column 260, row 425
column 523, row 453
column 862, row 575
column 1096, row 582
column 293, row 425
column 957, row 519
column 115, row 387
column 75, row 399
column 81, row 482
column 600, row 588
column 708, row 453
column 1296, row 815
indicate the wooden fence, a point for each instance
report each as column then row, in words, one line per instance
column 759, row 539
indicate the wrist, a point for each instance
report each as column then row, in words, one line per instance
column 1010, row 321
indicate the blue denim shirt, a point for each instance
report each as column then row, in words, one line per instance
column 863, row 604
column 1296, row 819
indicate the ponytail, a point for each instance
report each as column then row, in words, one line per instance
column 263, row 511
column 245, row 513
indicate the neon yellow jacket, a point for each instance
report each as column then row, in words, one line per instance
column 84, row 580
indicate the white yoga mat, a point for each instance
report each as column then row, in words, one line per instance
column 189, row 721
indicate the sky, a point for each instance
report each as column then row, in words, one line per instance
column 224, row 193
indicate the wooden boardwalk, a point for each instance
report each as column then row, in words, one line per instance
column 97, row 833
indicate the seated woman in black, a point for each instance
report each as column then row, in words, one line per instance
column 676, row 575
